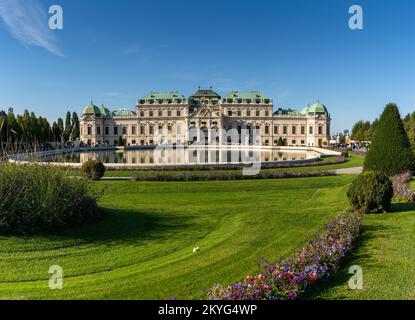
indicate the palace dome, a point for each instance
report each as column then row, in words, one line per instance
column 92, row 109
column 316, row 108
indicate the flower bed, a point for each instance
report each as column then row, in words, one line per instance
column 218, row 175
column 222, row 167
column 290, row 278
column 401, row 191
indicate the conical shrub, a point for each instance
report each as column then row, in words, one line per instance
column 390, row 151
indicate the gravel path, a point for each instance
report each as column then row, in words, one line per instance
column 355, row 170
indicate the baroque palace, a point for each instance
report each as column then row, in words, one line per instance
column 205, row 118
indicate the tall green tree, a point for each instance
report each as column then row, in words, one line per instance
column 390, row 151
column 75, row 126
column 68, row 126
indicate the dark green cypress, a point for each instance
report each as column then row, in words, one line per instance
column 390, row 151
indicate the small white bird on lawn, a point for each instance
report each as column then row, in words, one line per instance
column 197, row 249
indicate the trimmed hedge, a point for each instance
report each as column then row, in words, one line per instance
column 218, row 175
column 38, row 199
column 371, row 192
column 93, row 170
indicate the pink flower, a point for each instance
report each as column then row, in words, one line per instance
column 313, row 276
column 249, row 278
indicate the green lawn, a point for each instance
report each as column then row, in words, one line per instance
column 355, row 160
column 386, row 253
column 143, row 248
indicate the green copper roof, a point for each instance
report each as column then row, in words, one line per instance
column 104, row 111
column 205, row 93
column 168, row 95
column 253, row 95
column 288, row 112
column 92, row 109
column 316, row 108
column 123, row 112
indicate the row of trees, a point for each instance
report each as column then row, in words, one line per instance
column 363, row 130
column 28, row 132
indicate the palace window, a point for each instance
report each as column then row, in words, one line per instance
column 151, row 129
column 151, row 114
column 320, row 130
column 160, row 129
column 302, row 130
column 310, row 130
column 248, row 113
column 107, row 131
column 229, row 113
column 160, row 113
column 302, row 142
column 115, row 131
column 169, row 129
column 142, row 130
column 124, row 130
column 141, row 113
column 169, row 113
column 98, row 130
column 89, row 131
column 276, row 130
column 284, row 130
column 239, row 113
column 258, row 113
column 294, row 129
column 266, row 129
column 178, row 113
column 294, row 142
column 134, row 130
column 267, row 113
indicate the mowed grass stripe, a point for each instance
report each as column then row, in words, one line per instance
column 143, row 248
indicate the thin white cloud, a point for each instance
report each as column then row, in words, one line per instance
column 27, row 21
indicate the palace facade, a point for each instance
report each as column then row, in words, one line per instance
column 205, row 118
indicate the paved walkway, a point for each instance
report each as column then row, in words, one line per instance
column 355, row 170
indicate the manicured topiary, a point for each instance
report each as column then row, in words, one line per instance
column 371, row 192
column 390, row 151
column 345, row 154
column 280, row 142
column 40, row 199
column 93, row 169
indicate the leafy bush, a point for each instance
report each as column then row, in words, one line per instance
column 224, row 175
column 390, row 151
column 93, row 170
column 371, row 192
column 401, row 190
column 37, row 199
column 288, row 279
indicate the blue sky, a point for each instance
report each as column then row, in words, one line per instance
column 294, row 51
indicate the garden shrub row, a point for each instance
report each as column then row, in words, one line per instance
column 291, row 278
column 226, row 175
column 39, row 199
